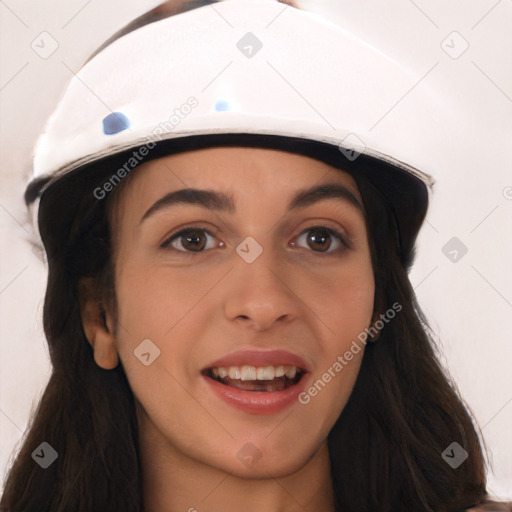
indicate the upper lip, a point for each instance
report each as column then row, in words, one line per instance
column 261, row 358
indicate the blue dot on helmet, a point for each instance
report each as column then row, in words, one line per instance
column 222, row 106
column 115, row 123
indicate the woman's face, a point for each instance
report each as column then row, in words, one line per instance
column 274, row 276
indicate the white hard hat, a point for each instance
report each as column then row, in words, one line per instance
column 240, row 67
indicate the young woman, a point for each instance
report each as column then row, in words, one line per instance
column 229, row 315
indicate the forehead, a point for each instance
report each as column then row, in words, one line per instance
column 241, row 170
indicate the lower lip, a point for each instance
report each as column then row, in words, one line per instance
column 257, row 402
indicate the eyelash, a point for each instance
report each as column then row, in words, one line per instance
column 189, row 229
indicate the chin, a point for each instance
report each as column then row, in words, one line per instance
column 262, row 459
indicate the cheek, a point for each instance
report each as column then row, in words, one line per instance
column 151, row 300
column 344, row 306
column 349, row 302
column 169, row 306
column 151, row 308
column 343, row 301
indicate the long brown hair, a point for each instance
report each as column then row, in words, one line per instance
column 385, row 448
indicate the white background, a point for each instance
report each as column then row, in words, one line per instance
column 469, row 303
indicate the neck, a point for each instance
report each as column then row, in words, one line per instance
column 174, row 482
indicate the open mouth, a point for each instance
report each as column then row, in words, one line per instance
column 253, row 378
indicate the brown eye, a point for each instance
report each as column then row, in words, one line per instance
column 320, row 239
column 189, row 240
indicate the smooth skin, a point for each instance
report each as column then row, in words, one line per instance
column 197, row 300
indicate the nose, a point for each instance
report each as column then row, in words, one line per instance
column 261, row 294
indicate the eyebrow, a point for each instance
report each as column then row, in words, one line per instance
column 219, row 201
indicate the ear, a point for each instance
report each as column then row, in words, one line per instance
column 98, row 325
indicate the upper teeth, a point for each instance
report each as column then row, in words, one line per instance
column 247, row 372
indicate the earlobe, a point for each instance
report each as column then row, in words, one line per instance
column 97, row 326
column 105, row 352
